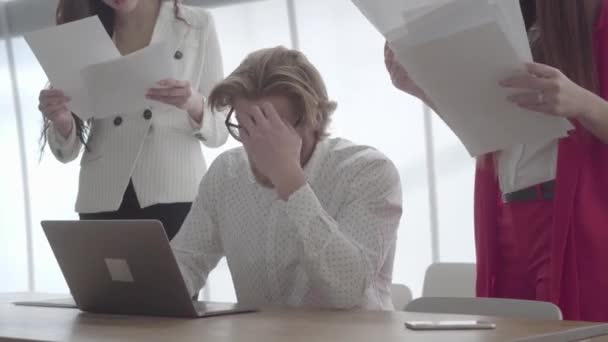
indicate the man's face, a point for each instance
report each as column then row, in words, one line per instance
column 285, row 110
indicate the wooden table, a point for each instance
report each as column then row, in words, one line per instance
column 49, row 324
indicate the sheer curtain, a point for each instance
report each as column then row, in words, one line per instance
column 13, row 260
column 349, row 54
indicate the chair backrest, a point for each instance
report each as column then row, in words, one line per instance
column 586, row 333
column 526, row 309
column 401, row 295
column 449, row 280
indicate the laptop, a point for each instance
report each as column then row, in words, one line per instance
column 124, row 267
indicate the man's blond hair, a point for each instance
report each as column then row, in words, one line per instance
column 278, row 71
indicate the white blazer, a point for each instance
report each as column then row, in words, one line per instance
column 158, row 148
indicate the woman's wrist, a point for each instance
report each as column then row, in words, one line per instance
column 196, row 107
column 63, row 124
column 594, row 107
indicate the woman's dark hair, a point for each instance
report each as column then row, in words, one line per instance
column 72, row 10
column 565, row 39
column 528, row 9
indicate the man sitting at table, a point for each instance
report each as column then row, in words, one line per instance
column 302, row 219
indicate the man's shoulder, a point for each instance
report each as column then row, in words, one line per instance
column 229, row 163
column 344, row 155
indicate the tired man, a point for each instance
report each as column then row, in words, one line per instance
column 302, row 219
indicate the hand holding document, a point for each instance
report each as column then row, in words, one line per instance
column 457, row 51
column 80, row 59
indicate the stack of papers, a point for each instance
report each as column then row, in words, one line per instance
column 458, row 51
column 81, row 59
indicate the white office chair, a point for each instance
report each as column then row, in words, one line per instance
column 450, row 280
column 513, row 308
column 401, row 295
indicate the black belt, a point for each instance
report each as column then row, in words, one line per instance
column 543, row 191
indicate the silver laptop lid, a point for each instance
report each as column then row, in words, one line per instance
column 120, row 267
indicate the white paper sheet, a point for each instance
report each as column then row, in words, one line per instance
column 120, row 85
column 511, row 9
column 386, row 15
column 457, row 15
column 460, row 73
column 63, row 51
column 412, row 14
column 81, row 59
column 426, row 8
column 458, row 51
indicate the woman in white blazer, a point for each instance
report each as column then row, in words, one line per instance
column 145, row 164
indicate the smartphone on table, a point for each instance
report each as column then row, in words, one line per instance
column 450, row 325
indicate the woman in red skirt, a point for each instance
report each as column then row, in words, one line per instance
column 541, row 210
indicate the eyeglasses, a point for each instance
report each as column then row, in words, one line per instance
column 233, row 126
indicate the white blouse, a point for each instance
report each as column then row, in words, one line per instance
column 526, row 165
column 332, row 244
column 158, row 148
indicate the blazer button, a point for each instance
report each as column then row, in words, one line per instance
column 117, row 121
column 178, row 55
column 147, row 114
column 200, row 137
